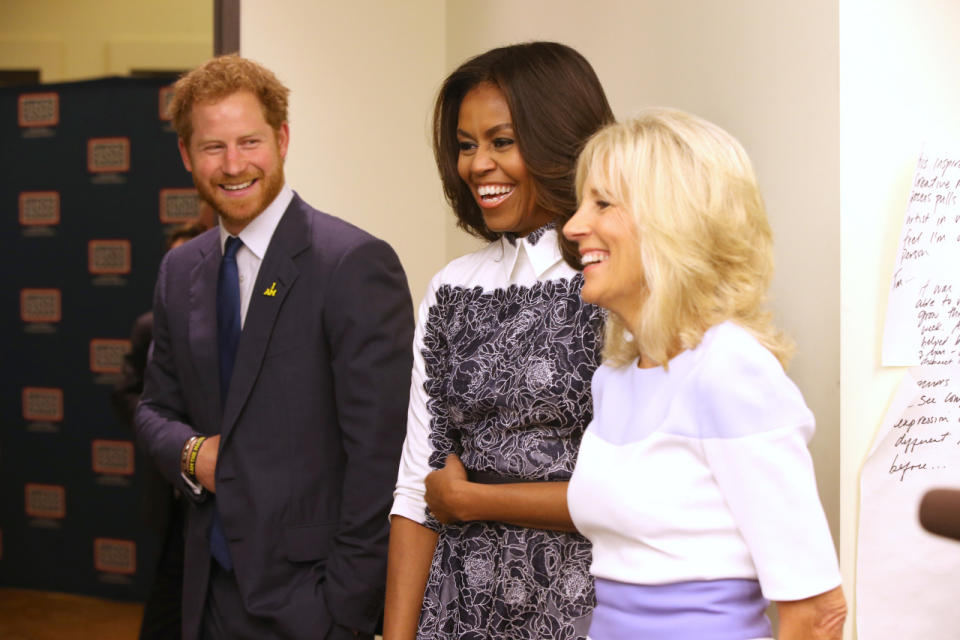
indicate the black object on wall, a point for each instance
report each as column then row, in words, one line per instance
column 91, row 181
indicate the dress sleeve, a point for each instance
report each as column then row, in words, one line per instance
column 408, row 497
column 755, row 428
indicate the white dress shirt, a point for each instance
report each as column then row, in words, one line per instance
column 256, row 238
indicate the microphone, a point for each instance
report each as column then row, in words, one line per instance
column 940, row 512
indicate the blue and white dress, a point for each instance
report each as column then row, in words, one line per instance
column 503, row 357
column 697, row 490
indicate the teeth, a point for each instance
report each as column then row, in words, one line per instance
column 494, row 189
column 593, row 257
column 237, row 187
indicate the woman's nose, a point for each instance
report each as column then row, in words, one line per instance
column 576, row 227
column 482, row 162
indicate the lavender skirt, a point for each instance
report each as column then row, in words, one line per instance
column 731, row 609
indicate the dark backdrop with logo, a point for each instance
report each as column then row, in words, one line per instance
column 91, row 181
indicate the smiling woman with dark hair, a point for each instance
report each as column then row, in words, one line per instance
column 503, row 354
column 554, row 100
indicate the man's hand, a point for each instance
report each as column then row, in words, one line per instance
column 207, row 463
column 445, row 490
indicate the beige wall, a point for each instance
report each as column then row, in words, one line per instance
column 80, row 39
column 898, row 87
column 362, row 76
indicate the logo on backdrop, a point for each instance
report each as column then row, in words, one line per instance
column 106, row 359
column 108, row 257
column 179, row 206
column 107, row 158
column 118, row 557
column 46, row 504
column 107, row 260
column 42, row 408
column 39, row 210
column 40, row 309
column 113, row 460
column 38, row 109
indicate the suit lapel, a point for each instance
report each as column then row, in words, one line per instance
column 277, row 275
column 202, row 330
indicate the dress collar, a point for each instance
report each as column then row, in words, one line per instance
column 541, row 247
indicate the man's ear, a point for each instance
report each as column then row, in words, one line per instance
column 184, row 155
column 283, row 140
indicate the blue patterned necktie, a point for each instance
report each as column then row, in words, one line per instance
column 228, row 337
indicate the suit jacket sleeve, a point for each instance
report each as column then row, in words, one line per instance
column 159, row 419
column 369, row 322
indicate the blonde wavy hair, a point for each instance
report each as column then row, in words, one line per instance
column 706, row 245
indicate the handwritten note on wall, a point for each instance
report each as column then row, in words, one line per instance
column 923, row 308
column 906, row 576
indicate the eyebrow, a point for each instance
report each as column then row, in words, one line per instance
column 218, row 140
column 489, row 132
column 600, row 195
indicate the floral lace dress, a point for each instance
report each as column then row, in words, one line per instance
column 505, row 350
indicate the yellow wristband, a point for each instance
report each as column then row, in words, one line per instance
column 192, row 461
column 185, row 453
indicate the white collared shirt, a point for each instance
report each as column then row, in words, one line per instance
column 256, row 238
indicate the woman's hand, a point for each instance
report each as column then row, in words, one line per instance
column 818, row 618
column 451, row 498
column 445, row 489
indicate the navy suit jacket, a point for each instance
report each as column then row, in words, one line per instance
column 312, row 426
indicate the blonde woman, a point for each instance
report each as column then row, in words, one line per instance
column 693, row 482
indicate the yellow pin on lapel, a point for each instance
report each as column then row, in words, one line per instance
column 272, row 291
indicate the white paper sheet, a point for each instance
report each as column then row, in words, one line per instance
column 923, row 307
column 908, row 579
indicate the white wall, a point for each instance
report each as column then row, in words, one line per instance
column 362, row 76
column 898, row 87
